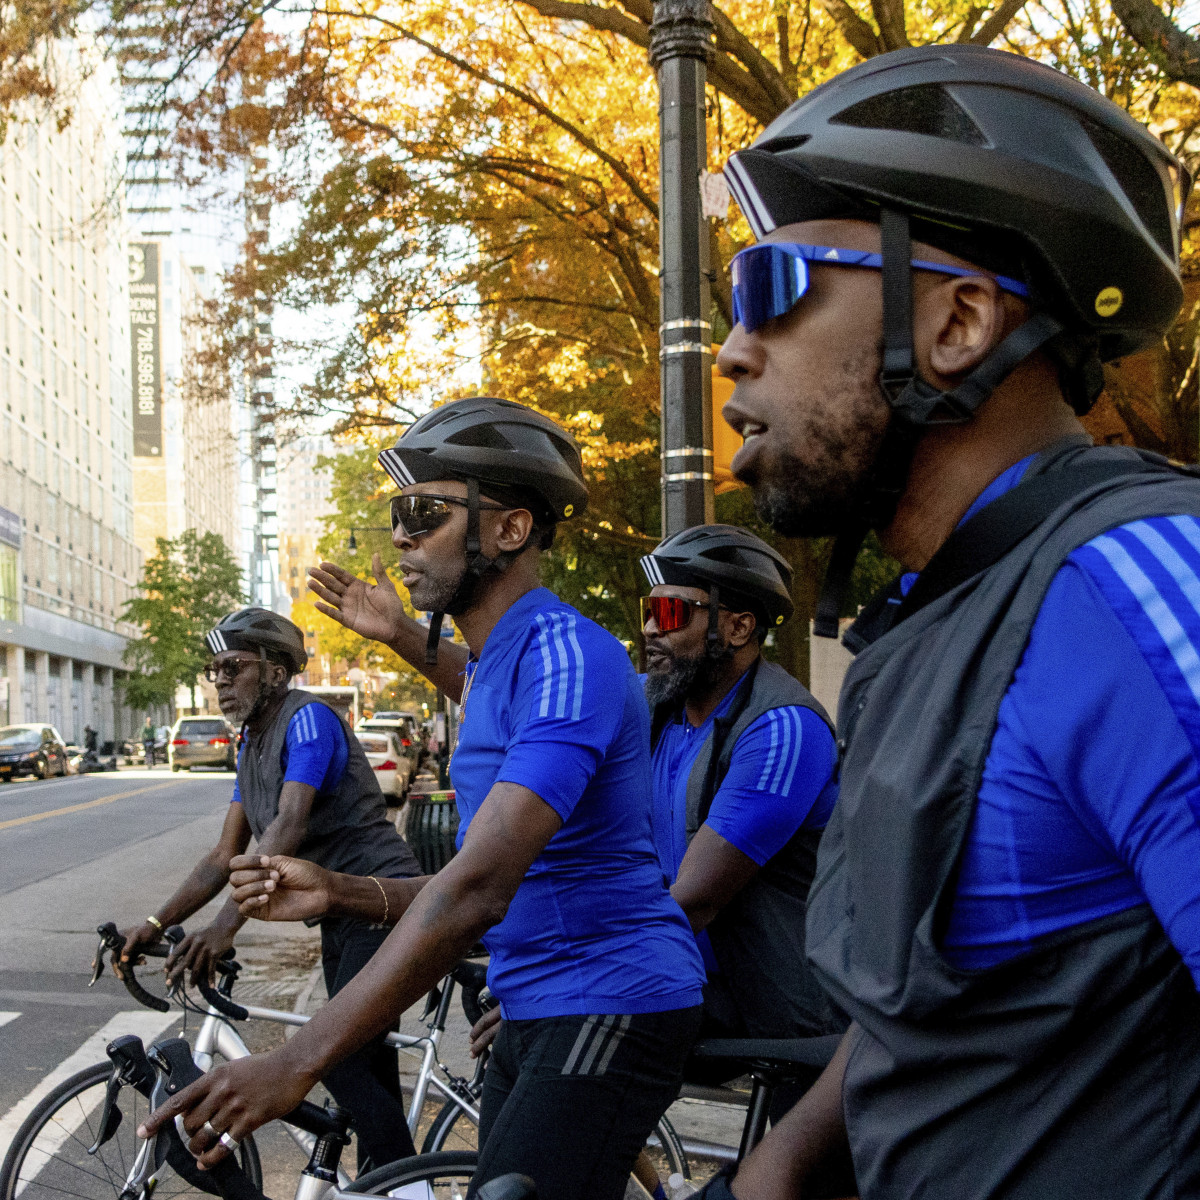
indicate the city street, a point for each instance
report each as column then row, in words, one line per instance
column 83, row 850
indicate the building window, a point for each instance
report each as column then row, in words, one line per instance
column 9, row 594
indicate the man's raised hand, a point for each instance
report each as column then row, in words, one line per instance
column 278, row 888
column 373, row 610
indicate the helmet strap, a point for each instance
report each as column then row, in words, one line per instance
column 478, row 565
column 435, row 636
column 916, row 406
column 713, row 639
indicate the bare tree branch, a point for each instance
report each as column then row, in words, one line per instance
column 734, row 42
column 737, row 69
column 853, row 28
column 889, row 16
column 1174, row 51
column 996, row 24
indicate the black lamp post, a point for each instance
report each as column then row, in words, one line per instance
column 680, row 44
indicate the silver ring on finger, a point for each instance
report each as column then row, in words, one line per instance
column 207, row 1128
column 230, row 1144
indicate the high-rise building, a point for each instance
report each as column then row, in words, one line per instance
column 187, row 416
column 185, row 465
column 68, row 561
column 304, row 501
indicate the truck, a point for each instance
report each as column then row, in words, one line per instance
column 342, row 699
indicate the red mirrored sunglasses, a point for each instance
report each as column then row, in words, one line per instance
column 669, row 612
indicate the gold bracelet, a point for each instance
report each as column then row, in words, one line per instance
column 386, row 906
column 155, row 922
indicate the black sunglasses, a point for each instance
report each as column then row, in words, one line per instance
column 231, row 668
column 422, row 513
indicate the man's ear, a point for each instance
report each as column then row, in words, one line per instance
column 742, row 627
column 957, row 323
column 513, row 529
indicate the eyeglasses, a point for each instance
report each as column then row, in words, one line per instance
column 230, row 669
column 669, row 612
column 422, row 513
column 770, row 278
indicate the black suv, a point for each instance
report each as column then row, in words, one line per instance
column 31, row 750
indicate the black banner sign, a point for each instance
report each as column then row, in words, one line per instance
column 144, row 311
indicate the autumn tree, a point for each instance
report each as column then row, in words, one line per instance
column 187, row 586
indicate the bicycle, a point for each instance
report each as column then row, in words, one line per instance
column 50, row 1133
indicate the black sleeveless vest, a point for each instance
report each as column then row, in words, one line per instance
column 348, row 829
column 765, row 988
column 1070, row 1071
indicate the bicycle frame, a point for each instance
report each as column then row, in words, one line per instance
column 218, row 1037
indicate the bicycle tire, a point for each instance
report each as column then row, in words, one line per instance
column 59, row 1130
column 448, row 1125
column 445, row 1175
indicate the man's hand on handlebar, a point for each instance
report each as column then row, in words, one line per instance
column 235, row 1098
column 279, row 888
column 137, row 938
column 195, row 955
column 483, row 1032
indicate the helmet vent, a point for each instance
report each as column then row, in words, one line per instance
column 927, row 108
column 1137, row 178
column 780, row 144
column 487, row 436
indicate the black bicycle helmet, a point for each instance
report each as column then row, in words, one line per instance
column 266, row 633
column 1008, row 164
column 739, row 571
column 517, row 456
column 505, row 447
column 993, row 156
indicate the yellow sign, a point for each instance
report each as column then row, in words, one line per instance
column 726, row 442
column 1109, row 301
column 568, row 510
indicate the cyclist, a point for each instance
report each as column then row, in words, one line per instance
column 148, row 735
column 1006, row 901
column 595, row 967
column 743, row 776
column 304, row 787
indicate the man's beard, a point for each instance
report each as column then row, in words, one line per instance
column 239, row 713
column 830, row 487
column 676, row 683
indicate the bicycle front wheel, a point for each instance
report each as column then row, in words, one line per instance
column 48, row 1159
column 426, row 1177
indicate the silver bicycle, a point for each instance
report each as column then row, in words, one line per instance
column 59, row 1151
column 79, row 1142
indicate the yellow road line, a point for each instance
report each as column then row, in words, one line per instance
column 71, row 808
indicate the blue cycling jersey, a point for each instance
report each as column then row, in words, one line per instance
column 780, row 780
column 1090, row 794
column 314, row 750
column 554, row 705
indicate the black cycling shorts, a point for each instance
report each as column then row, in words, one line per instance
column 570, row 1101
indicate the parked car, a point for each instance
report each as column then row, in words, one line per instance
column 392, row 766
column 407, row 732
column 202, row 742
column 31, row 750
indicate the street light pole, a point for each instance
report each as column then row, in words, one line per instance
column 679, row 48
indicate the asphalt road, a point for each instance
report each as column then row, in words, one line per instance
column 78, row 851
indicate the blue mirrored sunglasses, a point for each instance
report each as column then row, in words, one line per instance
column 770, row 278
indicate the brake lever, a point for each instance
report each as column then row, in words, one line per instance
column 110, row 1116
column 131, row 1067
column 110, row 939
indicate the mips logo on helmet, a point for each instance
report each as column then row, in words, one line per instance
column 1109, row 301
